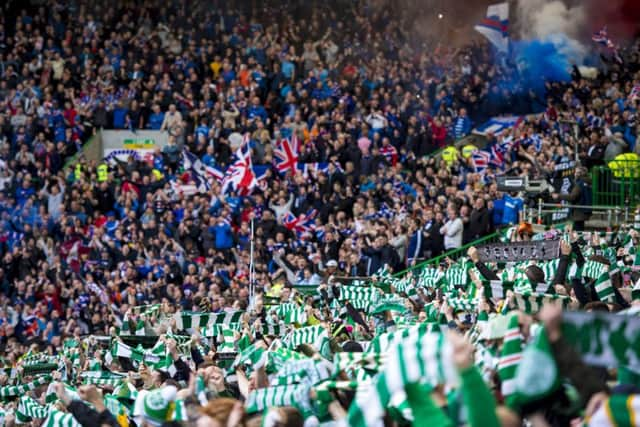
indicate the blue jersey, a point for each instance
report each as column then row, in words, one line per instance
column 512, row 208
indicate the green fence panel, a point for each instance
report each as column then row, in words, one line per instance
column 617, row 184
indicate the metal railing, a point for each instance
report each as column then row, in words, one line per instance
column 554, row 213
column 454, row 254
column 617, row 184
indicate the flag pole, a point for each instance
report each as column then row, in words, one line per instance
column 251, row 271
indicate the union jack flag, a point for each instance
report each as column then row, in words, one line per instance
column 302, row 223
column 239, row 175
column 480, row 160
column 496, row 156
column 286, row 154
column 260, row 172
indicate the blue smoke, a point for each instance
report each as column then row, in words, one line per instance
column 540, row 61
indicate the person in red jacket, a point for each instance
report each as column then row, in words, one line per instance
column 439, row 132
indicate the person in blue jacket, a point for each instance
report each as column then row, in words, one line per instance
column 224, row 235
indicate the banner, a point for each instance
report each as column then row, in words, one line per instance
column 563, row 182
column 124, row 143
column 497, row 125
column 604, row 339
column 540, row 250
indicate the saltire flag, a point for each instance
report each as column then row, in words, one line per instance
column 286, row 154
column 197, row 171
column 495, row 26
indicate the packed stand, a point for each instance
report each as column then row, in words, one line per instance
column 129, row 251
column 470, row 343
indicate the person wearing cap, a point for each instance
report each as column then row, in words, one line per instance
column 330, row 269
column 155, row 407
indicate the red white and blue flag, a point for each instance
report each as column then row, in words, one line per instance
column 480, row 160
column 497, row 156
column 495, row 26
column 214, row 172
column 286, row 154
column 390, row 152
column 302, row 223
column 602, row 37
column 239, row 176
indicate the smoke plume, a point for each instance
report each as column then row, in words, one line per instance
column 555, row 22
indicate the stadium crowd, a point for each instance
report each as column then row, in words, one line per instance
column 363, row 103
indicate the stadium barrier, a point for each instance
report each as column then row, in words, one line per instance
column 453, row 254
column 616, row 184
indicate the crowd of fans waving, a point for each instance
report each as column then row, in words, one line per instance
column 368, row 102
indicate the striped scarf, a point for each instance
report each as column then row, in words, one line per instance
column 510, row 357
column 424, row 358
column 429, row 278
column 186, row 320
column 307, row 371
column 604, row 339
column 252, row 356
column 618, row 410
column 382, row 342
column 226, row 340
column 496, row 289
column 532, row 302
column 29, row 408
column 17, row 390
column 286, row 395
column 291, row 313
column 104, row 381
column 359, row 293
column 317, row 336
column 278, row 330
column 351, row 361
column 120, row 349
column 549, row 268
column 456, row 276
column 604, row 288
column 462, row 304
column 216, row 329
column 388, row 303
